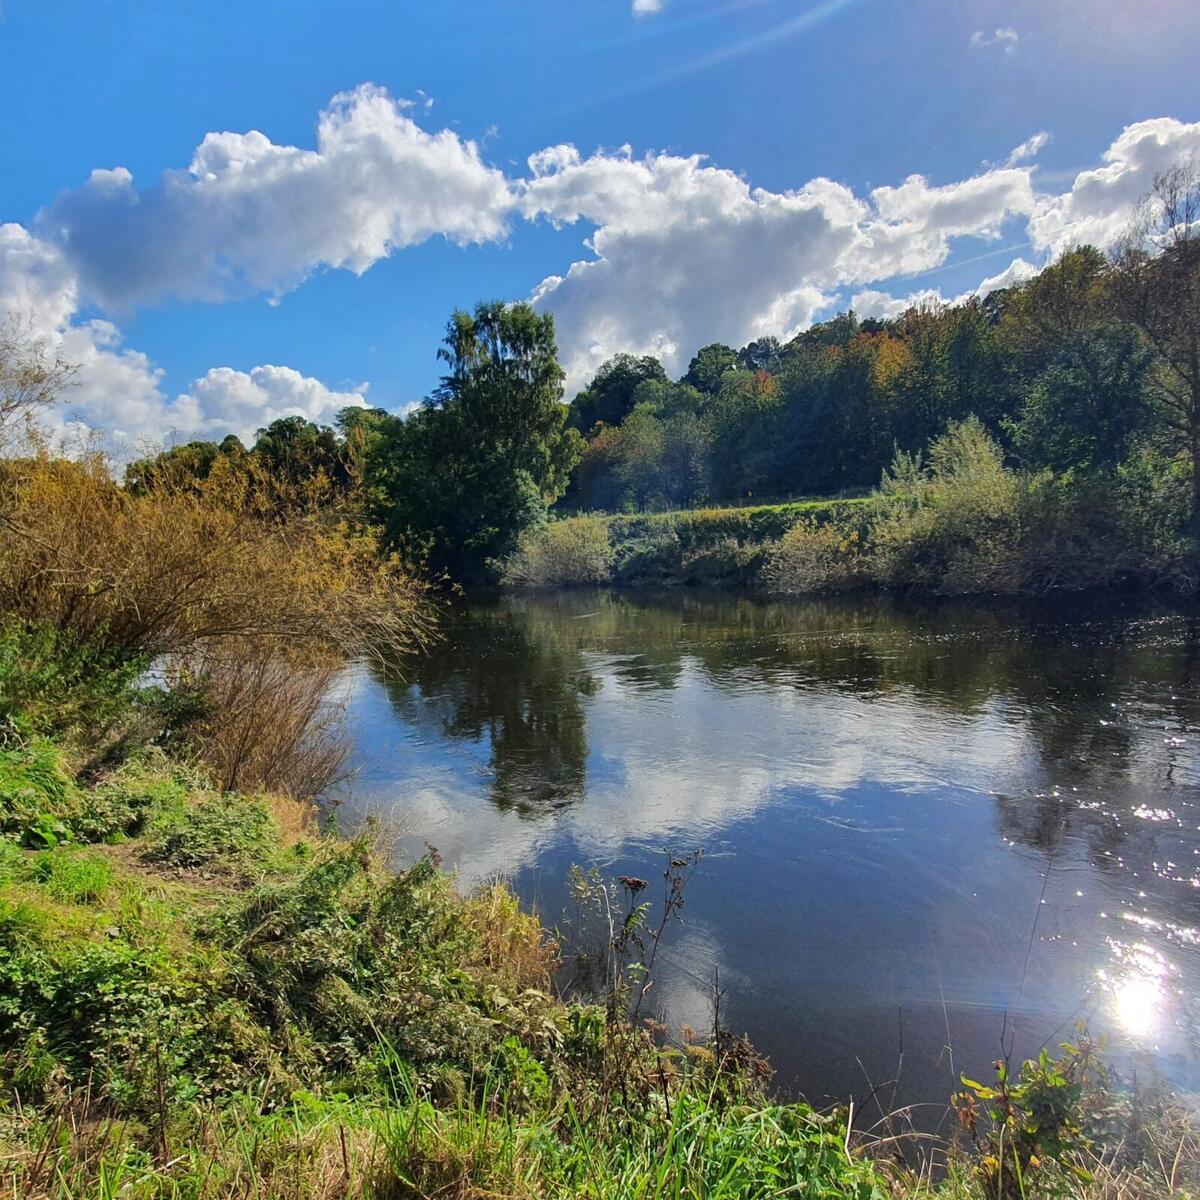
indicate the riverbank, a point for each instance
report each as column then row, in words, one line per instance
column 202, row 994
column 702, row 547
column 962, row 523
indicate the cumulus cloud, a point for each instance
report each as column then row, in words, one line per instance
column 241, row 402
column 873, row 303
column 1007, row 39
column 642, row 8
column 1030, row 148
column 120, row 392
column 686, row 253
column 118, row 389
column 250, row 216
column 1017, row 271
column 1097, row 208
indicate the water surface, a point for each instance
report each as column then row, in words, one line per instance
column 931, row 834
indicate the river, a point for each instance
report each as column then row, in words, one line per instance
column 933, row 834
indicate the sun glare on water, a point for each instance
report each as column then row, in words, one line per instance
column 1138, row 988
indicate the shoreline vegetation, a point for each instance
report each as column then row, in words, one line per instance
column 961, row 523
column 203, row 995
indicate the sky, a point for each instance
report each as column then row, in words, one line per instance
column 223, row 214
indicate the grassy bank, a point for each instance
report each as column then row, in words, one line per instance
column 713, row 547
column 960, row 522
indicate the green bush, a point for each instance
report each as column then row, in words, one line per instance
column 38, row 796
column 216, row 828
column 819, row 557
column 575, row 551
column 53, row 686
column 966, row 523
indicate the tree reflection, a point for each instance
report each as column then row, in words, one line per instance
column 1098, row 689
column 492, row 677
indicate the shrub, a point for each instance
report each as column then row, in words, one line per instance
column 54, row 686
column 263, row 722
column 951, row 526
column 122, row 804
column 244, row 607
column 575, row 551
column 170, row 571
column 217, row 828
column 966, row 523
column 814, row 557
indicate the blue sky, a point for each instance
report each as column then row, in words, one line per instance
column 302, row 275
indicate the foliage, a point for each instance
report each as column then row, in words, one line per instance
column 1085, row 409
column 222, row 828
column 706, row 371
column 177, row 569
column 611, row 395
column 1033, row 1121
column 483, row 459
column 245, row 610
column 37, row 792
column 57, row 687
column 1156, row 289
column 818, row 557
column 951, row 525
column 572, row 552
column 31, row 377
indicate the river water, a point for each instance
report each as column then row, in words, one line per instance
column 932, row 834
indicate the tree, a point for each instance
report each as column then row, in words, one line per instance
column 489, row 451
column 1156, row 288
column 762, row 354
column 610, row 396
column 296, row 451
column 31, row 377
column 706, row 371
column 190, row 463
column 1061, row 301
column 1084, row 410
column 744, row 435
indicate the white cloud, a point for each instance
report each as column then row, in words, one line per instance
column 1098, row 206
column 250, row 216
column 679, row 252
column 685, row 253
column 241, row 402
column 1008, row 39
column 882, row 306
column 1030, row 148
column 119, row 390
column 642, row 8
column 1017, row 271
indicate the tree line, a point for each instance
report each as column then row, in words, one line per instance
column 1089, row 369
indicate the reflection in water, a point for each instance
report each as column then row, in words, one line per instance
column 923, row 824
column 524, row 695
